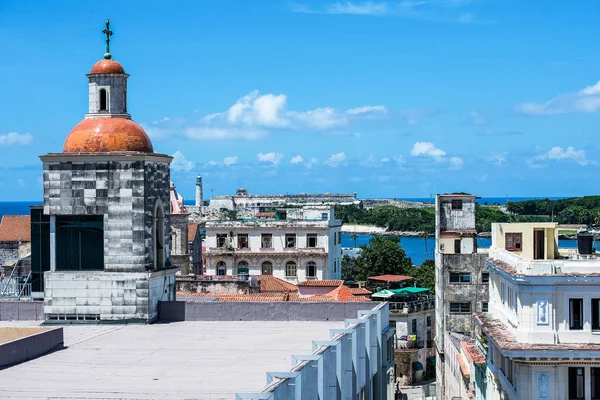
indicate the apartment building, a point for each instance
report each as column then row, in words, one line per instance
column 294, row 244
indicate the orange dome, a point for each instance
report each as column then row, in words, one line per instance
column 95, row 135
column 107, row 67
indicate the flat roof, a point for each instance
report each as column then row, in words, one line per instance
column 179, row 360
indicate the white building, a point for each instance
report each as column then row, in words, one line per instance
column 542, row 331
column 295, row 244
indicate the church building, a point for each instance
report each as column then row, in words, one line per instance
column 102, row 239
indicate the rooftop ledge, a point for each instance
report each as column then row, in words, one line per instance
column 514, row 264
column 273, row 223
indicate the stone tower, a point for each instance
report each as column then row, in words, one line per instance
column 199, row 195
column 107, row 199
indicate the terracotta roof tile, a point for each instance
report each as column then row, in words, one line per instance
column 358, row 291
column 505, row 339
column 315, row 298
column 15, row 227
column 391, row 278
column 463, row 366
column 473, row 353
column 325, row 282
column 271, row 284
column 192, row 229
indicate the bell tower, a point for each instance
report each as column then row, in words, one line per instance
column 107, row 86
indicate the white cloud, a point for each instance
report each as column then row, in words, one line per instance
column 14, row 138
column 296, row 160
column 336, row 160
column 371, row 110
column 586, row 100
column 212, row 163
column 456, row 162
column 427, row 149
column 497, row 158
column 256, row 109
column 320, row 118
column 385, row 160
column 165, row 119
column 399, row 159
column 230, row 160
column 557, row 153
column 364, row 8
column 412, row 116
column 310, row 163
column 180, row 163
column 272, row 157
column 476, row 118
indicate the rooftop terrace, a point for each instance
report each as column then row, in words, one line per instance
column 181, row 360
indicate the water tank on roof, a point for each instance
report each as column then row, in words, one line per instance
column 585, row 243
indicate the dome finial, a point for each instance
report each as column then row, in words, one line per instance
column 108, row 34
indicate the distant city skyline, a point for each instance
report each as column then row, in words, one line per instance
column 389, row 99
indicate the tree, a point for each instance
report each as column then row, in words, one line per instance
column 384, row 255
column 424, row 275
column 348, row 267
column 354, row 237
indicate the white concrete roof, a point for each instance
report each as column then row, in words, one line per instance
column 180, row 360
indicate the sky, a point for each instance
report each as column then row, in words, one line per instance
column 388, row 99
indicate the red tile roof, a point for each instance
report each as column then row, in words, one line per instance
column 15, row 227
column 391, row 278
column 266, row 214
column 271, row 284
column 315, row 298
column 505, row 339
column 473, row 353
column 192, row 229
column 463, row 366
column 321, row 283
column 359, row 291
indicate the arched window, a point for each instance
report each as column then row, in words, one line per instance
column 290, row 269
column 221, row 268
column 125, row 100
column 311, row 269
column 158, row 237
column 266, row 268
column 242, row 270
column 103, row 100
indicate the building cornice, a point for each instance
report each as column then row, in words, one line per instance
column 105, row 156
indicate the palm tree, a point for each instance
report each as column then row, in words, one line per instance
column 354, row 237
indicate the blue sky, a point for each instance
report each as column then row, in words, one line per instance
column 383, row 98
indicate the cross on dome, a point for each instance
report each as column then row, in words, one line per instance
column 108, row 34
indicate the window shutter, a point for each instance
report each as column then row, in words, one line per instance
column 509, row 241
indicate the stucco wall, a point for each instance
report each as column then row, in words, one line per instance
column 21, row 311
column 220, row 287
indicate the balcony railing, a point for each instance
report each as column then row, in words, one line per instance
column 407, row 307
column 543, row 267
column 409, row 345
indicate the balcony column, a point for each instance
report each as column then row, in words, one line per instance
column 53, row 243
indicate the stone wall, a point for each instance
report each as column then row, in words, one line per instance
column 157, row 188
column 180, row 257
column 21, row 311
column 115, row 86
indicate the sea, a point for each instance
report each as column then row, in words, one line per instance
column 417, row 249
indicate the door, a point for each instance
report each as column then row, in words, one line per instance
column 539, row 249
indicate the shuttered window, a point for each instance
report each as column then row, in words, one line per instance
column 513, row 241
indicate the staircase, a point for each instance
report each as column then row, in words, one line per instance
column 16, row 287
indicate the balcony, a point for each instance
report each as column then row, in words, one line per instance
column 408, row 307
column 407, row 345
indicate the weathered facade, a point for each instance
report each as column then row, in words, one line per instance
column 194, row 244
column 306, row 244
column 107, row 200
column 243, row 200
column 180, row 257
column 461, row 274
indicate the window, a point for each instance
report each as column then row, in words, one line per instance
column 429, row 341
column 335, row 265
column 457, row 204
column 158, row 237
column 311, row 270
column 457, row 246
column 596, row 318
column 414, row 326
column 243, row 270
column 460, row 308
column 266, row 240
column 513, row 241
column 79, row 242
column 290, row 269
column 103, row 100
column 221, row 268
column 460, row 277
column 575, row 314
column 290, row 240
column 576, row 383
column 221, row 240
column 311, row 240
column 595, row 376
column 125, row 100
column 324, row 216
column 428, row 320
column 485, row 277
column 484, row 306
column 266, row 268
column 243, row 241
